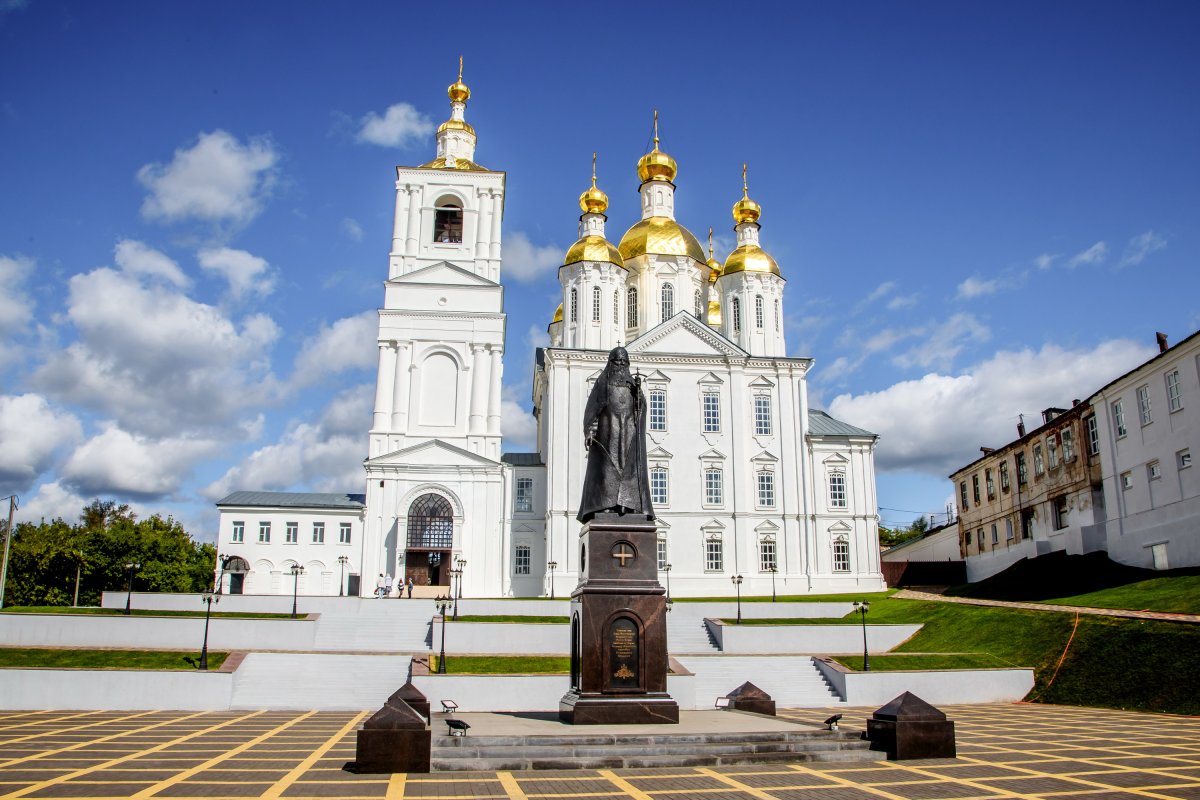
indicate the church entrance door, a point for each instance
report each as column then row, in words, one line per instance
column 430, row 539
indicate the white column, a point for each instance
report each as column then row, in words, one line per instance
column 479, row 388
column 399, row 393
column 497, row 370
column 414, row 200
column 482, row 225
column 401, row 215
column 497, row 200
column 383, row 386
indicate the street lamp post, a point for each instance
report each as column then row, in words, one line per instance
column 297, row 571
column 737, row 583
column 552, row 565
column 667, row 569
column 342, row 562
column 461, row 563
column 442, row 604
column 133, row 567
column 774, row 569
column 208, row 598
column 862, row 609
column 456, row 574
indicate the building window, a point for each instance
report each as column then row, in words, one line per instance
column 658, row 486
column 995, row 535
column 767, row 561
column 991, row 484
column 291, row 533
column 1126, row 480
column 1153, row 470
column 1027, row 523
column 1143, row 397
column 1008, row 528
column 975, row 488
column 574, row 309
column 699, row 306
column 979, row 540
column 962, row 495
column 1061, row 512
column 759, row 312
column 430, row 523
column 1093, row 436
column 968, row 539
column 596, row 301
column 1158, row 555
column 1052, row 450
column 522, row 559
column 1183, row 459
column 448, row 223
column 712, row 412
column 662, row 552
column 713, row 493
column 762, row 415
column 841, row 556
column 1174, row 396
column 318, row 536
column 837, row 489
column 766, row 490
column 524, row 498
column 1039, row 466
column 343, row 533
column 658, row 410
column 264, row 533
column 239, row 532
column 714, row 555
column 1068, row 444
column 631, row 309
column 668, row 301
column 1118, row 411
column 1022, row 470
column 1004, row 482
column 777, row 323
column 735, row 314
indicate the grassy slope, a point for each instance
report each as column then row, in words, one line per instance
column 1180, row 594
column 888, row 663
column 503, row 665
column 20, row 657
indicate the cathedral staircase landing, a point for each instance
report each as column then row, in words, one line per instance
column 792, row 681
column 380, row 626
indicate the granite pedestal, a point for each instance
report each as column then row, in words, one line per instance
column 908, row 727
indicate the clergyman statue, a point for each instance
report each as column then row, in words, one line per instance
column 614, row 428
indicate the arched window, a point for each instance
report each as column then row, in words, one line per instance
column 668, row 301
column 735, row 314
column 574, row 306
column 448, row 221
column 759, row 313
column 777, row 316
column 616, row 306
column 430, row 523
column 631, row 309
column 595, row 304
column 699, row 308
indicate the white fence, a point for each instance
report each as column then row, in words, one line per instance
column 807, row 639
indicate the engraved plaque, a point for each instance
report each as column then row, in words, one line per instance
column 624, row 647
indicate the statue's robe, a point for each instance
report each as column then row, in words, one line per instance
column 617, row 480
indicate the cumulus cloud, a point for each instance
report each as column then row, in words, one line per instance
column 349, row 343
column 137, row 258
column 1046, row 260
column 517, row 425
column 31, row 433
column 525, row 261
column 119, row 462
column 51, row 500
column 218, row 179
column 1141, row 246
column 936, row 424
column 352, row 230
column 246, row 274
column 1093, row 255
column 537, row 336
column 976, row 287
column 399, row 126
column 16, row 307
column 944, row 342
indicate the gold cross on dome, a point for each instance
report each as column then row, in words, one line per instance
column 623, row 552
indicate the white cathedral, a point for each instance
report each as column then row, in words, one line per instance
column 753, row 490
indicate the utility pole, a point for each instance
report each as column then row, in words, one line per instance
column 8, row 534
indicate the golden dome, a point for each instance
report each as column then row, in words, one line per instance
column 558, row 315
column 661, row 236
column 750, row 258
column 656, row 165
column 714, row 312
column 714, row 266
column 593, row 201
column 746, row 210
column 456, row 125
column 594, row 248
column 458, row 91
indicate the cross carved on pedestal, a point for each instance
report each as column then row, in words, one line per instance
column 623, row 552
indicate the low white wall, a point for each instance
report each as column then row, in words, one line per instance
column 539, row 608
column 260, row 603
column 155, row 633
column 500, row 637
column 936, row 686
column 521, row 692
column 764, row 610
column 123, row 690
column 808, row 638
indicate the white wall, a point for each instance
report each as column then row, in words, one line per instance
column 116, row 690
column 806, row 639
column 156, row 633
column 936, row 686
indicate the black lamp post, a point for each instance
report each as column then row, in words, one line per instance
column 456, row 574
column 442, row 604
column 133, row 567
column 461, row 563
column 297, row 571
column 737, row 583
column 208, row 598
column 667, row 569
column 552, row 565
column 862, row 609
column 342, row 562
column 774, row 569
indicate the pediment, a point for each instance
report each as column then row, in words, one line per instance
column 712, row 454
column 765, row 458
column 837, row 459
column 839, row 527
column 762, row 382
column 766, row 528
column 658, row 376
column 659, row 454
column 683, row 334
column 710, row 378
column 444, row 273
column 713, row 526
column 431, row 454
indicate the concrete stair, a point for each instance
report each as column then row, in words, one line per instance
column 382, row 626
column 612, row 751
column 689, row 634
column 317, row 681
column 792, row 681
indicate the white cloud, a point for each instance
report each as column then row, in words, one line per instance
column 944, row 342
column 903, row 301
column 118, row 462
column 349, row 343
column 517, row 425
column 52, row 500
column 137, row 258
column 16, row 307
column 1141, row 246
column 399, row 126
column 352, row 230
column 1046, row 260
column 537, row 336
column 976, row 287
column 218, row 179
column 1093, row 255
column 937, row 423
column 246, row 273
column 525, row 261
column 31, row 432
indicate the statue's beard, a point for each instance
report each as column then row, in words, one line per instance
column 620, row 374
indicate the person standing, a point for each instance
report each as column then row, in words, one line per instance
column 379, row 584
column 389, row 583
column 410, row 587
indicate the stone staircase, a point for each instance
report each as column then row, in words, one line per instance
column 615, row 751
column 792, row 681
column 689, row 634
column 381, row 626
column 317, row 681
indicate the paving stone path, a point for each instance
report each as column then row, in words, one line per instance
column 910, row 594
column 1004, row 751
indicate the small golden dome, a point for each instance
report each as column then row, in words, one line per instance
column 458, row 91
column 456, row 125
column 593, row 201
column 558, row 315
column 714, row 270
column 714, row 312
column 459, row 164
column 594, row 248
column 750, row 258
column 746, row 210
column 661, row 236
column 656, row 165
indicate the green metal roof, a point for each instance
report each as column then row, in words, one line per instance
column 821, row 424
column 294, row 500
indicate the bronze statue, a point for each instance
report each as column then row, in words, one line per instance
column 614, row 429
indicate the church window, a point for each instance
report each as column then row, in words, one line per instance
column 662, row 552
column 239, row 532
column 762, row 415
column 430, row 523
column 522, row 559
column 736, row 314
column 595, row 304
column 291, row 533
column 631, row 309
column 714, row 555
column 616, row 307
column 524, row 498
column 448, row 222
column 668, row 301
column 766, row 489
column 318, row 533
column 658, row 410
column 264, row 533
column 574, row 317
column 713, row 491
column 841, row 556
column 712, row 412
column 777, row 322
column 344, row 533
column 837, row 489
column 767, row 561
column 759, row 313
column 699, row 307
column 658, row 486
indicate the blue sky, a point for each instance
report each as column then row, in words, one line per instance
column 981, row 210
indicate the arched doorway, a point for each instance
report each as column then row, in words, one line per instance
column 429, row 541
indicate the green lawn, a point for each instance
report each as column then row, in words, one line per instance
column 919, row 661
column 26, row 657
column 503, row 665
column 509, row 618
column 139, row 612
column 1180, row 594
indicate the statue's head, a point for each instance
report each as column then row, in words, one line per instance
column 619, row 358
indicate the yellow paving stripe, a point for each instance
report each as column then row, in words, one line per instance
column 736, row 784
column 833, row 776
column 129, row 757
column 281, row 785
column 7, row 728
column 511, row 787
column 627, row 787
column 1091, row 784
column 88, row 742
column 395, row 787
column 60, row 732
column 212, row 762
